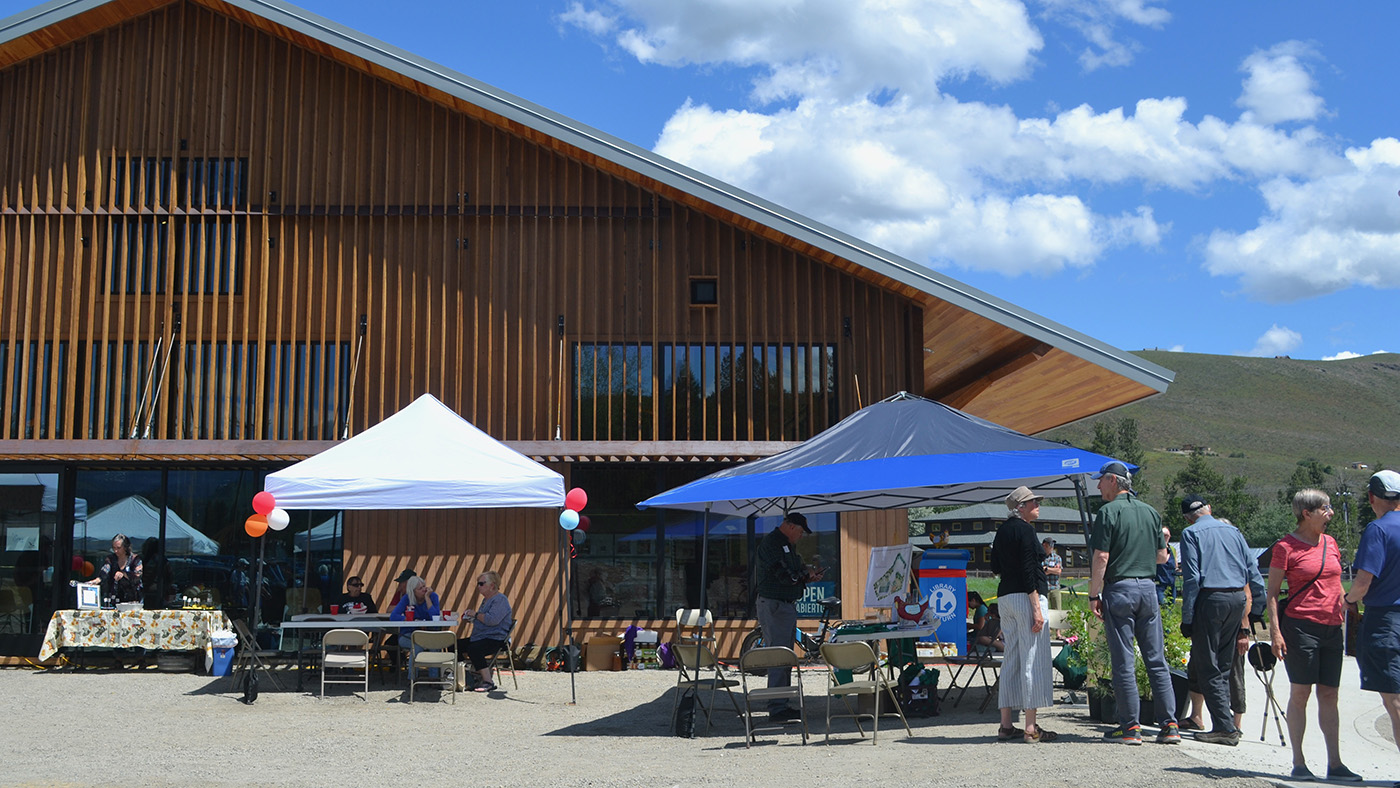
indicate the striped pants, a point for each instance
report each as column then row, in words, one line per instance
column 1026, row 678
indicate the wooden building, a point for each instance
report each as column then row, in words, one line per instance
column 232, row 233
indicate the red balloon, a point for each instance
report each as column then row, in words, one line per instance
column 263, row 502
column 576, row 499
column 77, row 563
column 583, row 523
column 256, row 525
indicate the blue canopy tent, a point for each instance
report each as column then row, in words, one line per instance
column 901, row 452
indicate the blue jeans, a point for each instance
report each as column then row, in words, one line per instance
column 1130, row 612
column 778, row 620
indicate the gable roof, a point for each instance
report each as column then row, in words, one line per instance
column 983, row 354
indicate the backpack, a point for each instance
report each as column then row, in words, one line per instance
column 685, row 715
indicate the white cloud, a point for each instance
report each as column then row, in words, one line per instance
column 593, row 22
column 1098, row 20
column 1277, row 341
column 867, row 136
column 1176, row 349
column 1320, row 235
column 1346, row 354
column 1279, row 87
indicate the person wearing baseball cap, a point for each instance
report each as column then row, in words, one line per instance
column 1377, row 585
column 782, row 578
column 1126, row 546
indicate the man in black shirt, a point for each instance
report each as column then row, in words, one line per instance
column 782, row 578
column 354, row 595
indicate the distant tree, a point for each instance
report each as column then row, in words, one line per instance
column 1105, row 439
column 1309, row 473
column 1227, row 498
column 1268, row 524
column 1129, row 448
column 1119, row 440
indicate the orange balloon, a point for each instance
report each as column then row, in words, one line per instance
column 256, row 525
column 88, row 569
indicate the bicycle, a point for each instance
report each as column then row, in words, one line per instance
column 811, row 645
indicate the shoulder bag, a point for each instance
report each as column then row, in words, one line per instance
column 1294, row 593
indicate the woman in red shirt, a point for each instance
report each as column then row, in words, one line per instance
column 1307, row 626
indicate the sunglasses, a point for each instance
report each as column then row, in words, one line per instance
column 482, row 582
column 356, row 585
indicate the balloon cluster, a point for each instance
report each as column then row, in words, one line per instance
column 268, row 515
column 570, row 520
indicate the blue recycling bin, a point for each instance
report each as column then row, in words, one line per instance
column 223, row 660
column 943, row 582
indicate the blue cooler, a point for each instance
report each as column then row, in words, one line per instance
column 943, row 581
column 223, row 660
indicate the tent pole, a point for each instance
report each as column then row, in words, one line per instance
column 1083, row 499
column 704, row 556
column 566, row 627
column 257, row 589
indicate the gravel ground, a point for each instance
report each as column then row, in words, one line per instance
column 149, row 728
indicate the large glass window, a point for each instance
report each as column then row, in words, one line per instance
column 704, row 391
column 640, row 564
column 28, row 527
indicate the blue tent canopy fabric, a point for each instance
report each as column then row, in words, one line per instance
column 904, row 451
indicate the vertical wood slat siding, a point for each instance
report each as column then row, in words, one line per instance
column 353, row 209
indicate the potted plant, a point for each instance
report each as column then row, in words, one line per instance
column 1085, row 634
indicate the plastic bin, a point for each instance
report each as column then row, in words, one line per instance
column 223, row 660
column 943, row 581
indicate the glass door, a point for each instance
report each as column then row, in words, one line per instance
column 30, row 524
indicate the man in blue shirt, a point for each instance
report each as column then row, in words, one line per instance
column 1216, row 578
column 1377, row 584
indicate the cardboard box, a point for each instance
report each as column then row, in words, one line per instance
column 600, row 652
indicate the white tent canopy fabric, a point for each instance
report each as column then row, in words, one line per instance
column 139, row 520
column 423, row 457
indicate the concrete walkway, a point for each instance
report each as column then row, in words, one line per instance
column 1366, row 743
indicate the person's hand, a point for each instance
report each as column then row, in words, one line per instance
column 1186, row 629
column 1096, row 607
column 1037, row 622
column 468, row 614
column 816, row 574
column 1280, row 647
column 118, row 575
column 1242, row 643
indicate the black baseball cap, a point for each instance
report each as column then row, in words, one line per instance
column 1115, row 468
column 404, row 575
column 1191, row 503
column 797, row 518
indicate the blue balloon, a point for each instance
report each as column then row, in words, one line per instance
column 578, row 537
column 568, row 519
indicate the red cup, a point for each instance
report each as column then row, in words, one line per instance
column 408, row 614
column 446, row 614
column 335, row 610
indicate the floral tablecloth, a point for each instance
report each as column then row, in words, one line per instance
column 171, row 630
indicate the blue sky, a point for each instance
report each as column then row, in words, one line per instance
column 1207, row 177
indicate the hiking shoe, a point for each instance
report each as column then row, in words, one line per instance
column 1132, row 734
column 1341, row 774
column 1302, row 774
column 1008, row 734
column 1227, row 738
column 1170, row 734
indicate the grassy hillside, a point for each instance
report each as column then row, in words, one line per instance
column 1273, row 411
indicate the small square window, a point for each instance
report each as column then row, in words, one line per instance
column 704, row 291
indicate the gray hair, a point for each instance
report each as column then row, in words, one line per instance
column 411, row 587
column 1308, row 500
column 1122, row 482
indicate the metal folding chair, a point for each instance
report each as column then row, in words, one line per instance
column 858, row 658
column 758, row 661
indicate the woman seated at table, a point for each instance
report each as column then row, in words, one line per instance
column 989, row 637
column 424, row 601
column 490, row 626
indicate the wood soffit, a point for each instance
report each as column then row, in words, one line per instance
column 224, row 452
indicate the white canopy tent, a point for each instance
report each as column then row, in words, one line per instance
column 138, row 519
column 423, row 457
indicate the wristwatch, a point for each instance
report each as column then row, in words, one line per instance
column 1094, row 598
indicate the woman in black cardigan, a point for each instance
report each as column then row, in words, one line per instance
column 1025, row 673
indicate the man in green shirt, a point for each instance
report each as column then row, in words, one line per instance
column 781, row 578
column 1127, row 545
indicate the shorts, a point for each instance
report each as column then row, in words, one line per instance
column 1380, row 649
column 1314, row 652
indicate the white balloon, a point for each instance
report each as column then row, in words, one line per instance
column 278, row 518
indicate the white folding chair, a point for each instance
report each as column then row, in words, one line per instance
column 345, row 651
column 858, row 658
column 433, row 650
column 758, row 661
